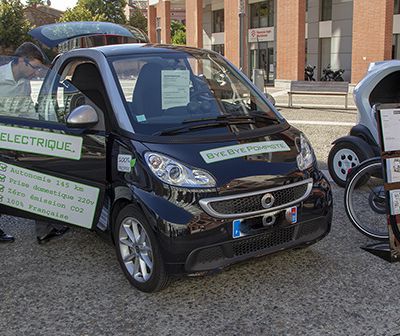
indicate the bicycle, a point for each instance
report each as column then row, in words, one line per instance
column 365, row 200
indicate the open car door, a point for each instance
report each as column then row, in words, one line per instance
column 53, row 168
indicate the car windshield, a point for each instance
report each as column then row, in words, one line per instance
column 180, row 92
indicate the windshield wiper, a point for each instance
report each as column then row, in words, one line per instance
column 219, row 118
column 214, row 123
column 251, row 116
column 263, row 115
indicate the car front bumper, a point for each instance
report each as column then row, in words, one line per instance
column 202, row 243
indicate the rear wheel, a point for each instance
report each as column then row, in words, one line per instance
column 343, row 157
column 138, row 251
column 365, row 201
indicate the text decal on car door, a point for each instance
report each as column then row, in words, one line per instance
column 39, row 142
column 47, row 195
column 253, row 148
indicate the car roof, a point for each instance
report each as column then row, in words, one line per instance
column 145, row 48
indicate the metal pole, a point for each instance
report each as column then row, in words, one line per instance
column 242, row 13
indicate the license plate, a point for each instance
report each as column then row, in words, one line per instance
column 236, row 233
column 293, row 215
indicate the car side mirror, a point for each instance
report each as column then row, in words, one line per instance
column 82, row 117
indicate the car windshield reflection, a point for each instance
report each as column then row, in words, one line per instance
column 165, row 90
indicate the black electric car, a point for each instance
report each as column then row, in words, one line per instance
column 170, row 151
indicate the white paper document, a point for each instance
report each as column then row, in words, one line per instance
column 394, row 202
column 391, row 129
column 393, row 170
column 175, row 88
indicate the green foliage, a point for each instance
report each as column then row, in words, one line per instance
column 34, row 2
column 78, row 13
column 13, row 25
column 96, row 10
column 138, row 20
column 178, row 32
column 179, row 37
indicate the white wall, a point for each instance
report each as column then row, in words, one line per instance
column 342, row 28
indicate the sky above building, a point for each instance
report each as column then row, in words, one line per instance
column 63, row 4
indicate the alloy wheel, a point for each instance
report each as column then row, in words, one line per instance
column 136, row 250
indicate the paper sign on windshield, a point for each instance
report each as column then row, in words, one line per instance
column 253, row 148
column 47, row 195
column 174, row 88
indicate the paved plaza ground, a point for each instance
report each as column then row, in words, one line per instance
column 74, row 286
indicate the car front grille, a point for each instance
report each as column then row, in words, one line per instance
column 251, row 203
column 209, row 257
column 262, row 242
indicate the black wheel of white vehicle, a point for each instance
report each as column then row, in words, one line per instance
column 343, row 157
column 365, row 202
column 138, row 252
column 270, row 98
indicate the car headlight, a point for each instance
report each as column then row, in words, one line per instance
column 306, row 156
column 175, row 173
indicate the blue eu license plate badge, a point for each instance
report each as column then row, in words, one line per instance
column 293, row 212
column 236, row 228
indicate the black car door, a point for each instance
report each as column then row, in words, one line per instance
column 48, row 170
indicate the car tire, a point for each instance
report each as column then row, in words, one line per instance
column 270, row 98
column 343, row 157
column 138, row 251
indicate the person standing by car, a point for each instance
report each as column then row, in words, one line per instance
column 15, row 99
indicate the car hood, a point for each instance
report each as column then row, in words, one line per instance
column 249, row 164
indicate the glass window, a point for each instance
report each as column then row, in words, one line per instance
column 18, row 95
column 262, row 14
column 219, row 48
column 166, row 91
column 396, row 46
column 218, row 21
column 61, row 94
column 326, row 10
column 396, row 7
column 325, row 53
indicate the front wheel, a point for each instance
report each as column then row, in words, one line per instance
column 138, row 251
column 365, row 202
column 343, row 157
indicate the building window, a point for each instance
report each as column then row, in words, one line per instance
column 218, row 21
column 396, row 7
column 396, row 46
column 262, row 14
column 219, row 48
column 326, row 10
column 324, row 53
column 158, row 30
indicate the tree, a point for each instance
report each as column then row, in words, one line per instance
column 13, row 25
column 179, row 37
column 138, row 20
column 178, row 32
column 96, row 10
column 78, row 13
column 34, row 3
